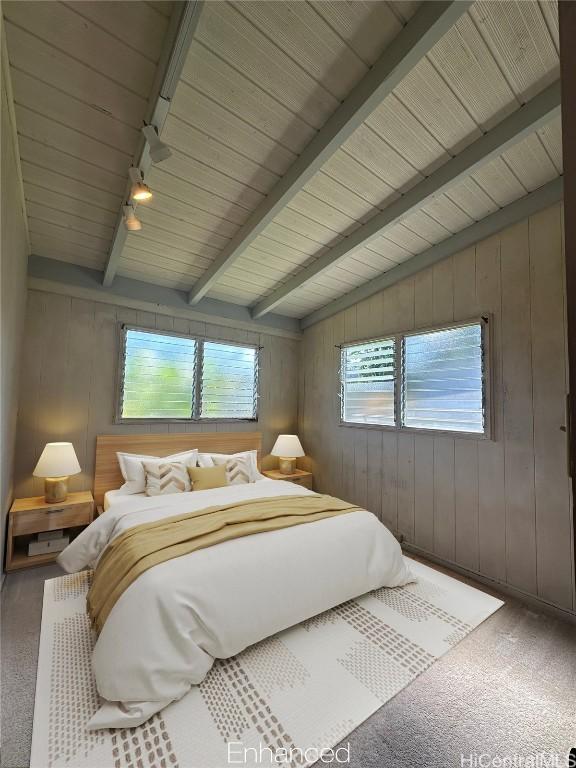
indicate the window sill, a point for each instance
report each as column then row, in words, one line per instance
column 185, row 421
column 416, row 431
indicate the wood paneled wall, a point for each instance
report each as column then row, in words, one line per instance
column 499, row 508
column 68, row 380
column 14, row 257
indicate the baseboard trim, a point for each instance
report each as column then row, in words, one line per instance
column 499, row 586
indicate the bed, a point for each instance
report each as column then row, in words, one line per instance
column 167, row 628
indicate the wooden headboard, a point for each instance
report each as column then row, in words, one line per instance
column 107, row 475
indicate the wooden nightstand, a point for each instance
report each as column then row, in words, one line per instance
column 300, row 477
column 30, row 516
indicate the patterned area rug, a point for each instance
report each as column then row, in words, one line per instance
column 297, row 693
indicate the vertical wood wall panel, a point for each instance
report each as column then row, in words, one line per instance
column 466, row 451
column 444, row 500
column 423, row 299
column 553, row 530
column 377, row 462
column 466, row 512
column 424, row 492
column 406, row 522
column 499, row 507
column 69, row 381
column 405, row 491
column 491, row 507
column 14, row 249
column 567, row 24
column 28, row 417
column 424, row 520
column 518, row 408
column 336, row 435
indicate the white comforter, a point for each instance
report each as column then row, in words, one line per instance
column 165, row 631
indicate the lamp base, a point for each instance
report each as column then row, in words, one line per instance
column 55, row 489
column 287, row 466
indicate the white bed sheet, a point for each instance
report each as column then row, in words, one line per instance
column 111, row 497
column 165, row 631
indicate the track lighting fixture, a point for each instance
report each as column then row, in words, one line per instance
column 158, row 150
column 138, row 191
column 131, row 221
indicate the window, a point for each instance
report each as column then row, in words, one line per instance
column 368, row 386
column 443, row 380
column 228, row 381
column 167, row 376
column 430, row 380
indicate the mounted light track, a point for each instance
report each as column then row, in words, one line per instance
column 158, row 150
column 139, row 191
column 183, row 23
column 131, row 221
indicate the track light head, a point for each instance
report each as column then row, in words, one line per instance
column 131, row 221
column 139, row 191
column 158, row 150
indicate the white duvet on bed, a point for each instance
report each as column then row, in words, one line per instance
column 165, row 631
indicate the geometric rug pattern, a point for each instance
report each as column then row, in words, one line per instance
column 280, row 702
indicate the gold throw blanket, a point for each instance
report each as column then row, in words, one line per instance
column 144, row 546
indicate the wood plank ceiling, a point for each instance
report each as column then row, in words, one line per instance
column 82, row 73
column 260, row 80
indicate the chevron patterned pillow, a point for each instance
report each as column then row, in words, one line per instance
column 166, row 477
column 237, row 468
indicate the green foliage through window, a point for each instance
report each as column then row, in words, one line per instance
column 168, row 376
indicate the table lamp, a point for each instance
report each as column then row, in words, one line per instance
column 288, row 448
column 57, row 462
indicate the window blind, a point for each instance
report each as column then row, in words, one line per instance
column 368, row 387
column 158, row 376
column 443, row 380
column 229, row 381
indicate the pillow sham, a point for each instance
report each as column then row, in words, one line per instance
column 164, row 477
column 209, row 460
column 133, row 470
column 204, row 478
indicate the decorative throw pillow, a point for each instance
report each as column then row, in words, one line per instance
column 204, row 478
column 132, row 467
column 238, row 468
column 166, row 477
column 210, row 459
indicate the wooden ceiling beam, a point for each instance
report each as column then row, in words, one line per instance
column 495, row 222
column 422, row 32
column 531, row 116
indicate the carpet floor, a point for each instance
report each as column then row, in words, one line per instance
column 506, row 690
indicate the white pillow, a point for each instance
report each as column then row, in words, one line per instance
column 133, row 470
column 207, row 460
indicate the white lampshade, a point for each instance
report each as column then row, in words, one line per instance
column 288, row 446
column 57, row 460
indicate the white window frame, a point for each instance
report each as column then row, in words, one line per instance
column 195, row 418
column 485, row 324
